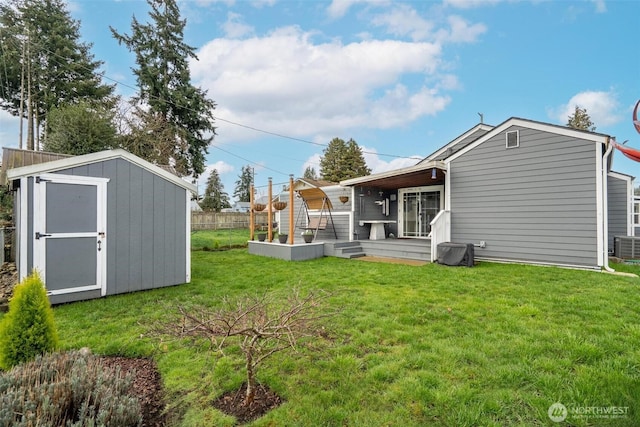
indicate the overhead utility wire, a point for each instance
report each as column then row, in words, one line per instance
column 255, row 129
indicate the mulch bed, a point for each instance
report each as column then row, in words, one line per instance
column 232, row 403
column 147, row 387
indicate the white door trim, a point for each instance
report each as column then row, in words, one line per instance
column 39, row 223
column 423, row 189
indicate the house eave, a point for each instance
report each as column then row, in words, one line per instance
column 394, row 174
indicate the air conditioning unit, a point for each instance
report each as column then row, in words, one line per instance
column 627, row 247
column 455, row 254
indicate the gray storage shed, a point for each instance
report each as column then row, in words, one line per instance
column 102, row 224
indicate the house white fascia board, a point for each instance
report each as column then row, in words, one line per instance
column 100, row 156
column 544, row 127
column 395, row 172
column 455, row 142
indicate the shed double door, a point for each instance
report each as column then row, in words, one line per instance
column 69, row 227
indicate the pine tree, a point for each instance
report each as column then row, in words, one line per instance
column 164, row 85
column 355, row 165
column 342, row 160
column 44, row 64
column 215, row 199
column 581, row 120
column 243, row 184
column 310, row 172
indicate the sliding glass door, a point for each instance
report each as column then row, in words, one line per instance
column 417, row 208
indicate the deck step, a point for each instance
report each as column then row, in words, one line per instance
column 349, row 250
column 352, row 255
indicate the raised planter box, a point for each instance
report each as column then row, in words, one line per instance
column 297, row 252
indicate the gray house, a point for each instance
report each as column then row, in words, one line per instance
column 522, row 191
column 102, row 224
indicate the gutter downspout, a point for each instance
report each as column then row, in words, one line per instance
column 605, row 210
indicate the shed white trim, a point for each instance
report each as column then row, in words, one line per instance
column 23, row 224
column 101, row 156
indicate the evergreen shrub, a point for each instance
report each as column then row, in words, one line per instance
column 28, row 328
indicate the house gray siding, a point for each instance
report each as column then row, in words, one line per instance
column 146, row 227
column 618, row 213
column 534, row 203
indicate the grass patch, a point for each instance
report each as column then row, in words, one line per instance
column 214, row 240
column 493, row 345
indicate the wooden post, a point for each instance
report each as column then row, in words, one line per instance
column 252, row 219
column 291, row 228
column 270, row 214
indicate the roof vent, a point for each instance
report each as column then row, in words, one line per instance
column 513, row 139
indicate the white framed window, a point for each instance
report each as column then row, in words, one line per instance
column 636, row 212
column 513, row 139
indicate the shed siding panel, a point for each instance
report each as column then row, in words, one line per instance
column 146, row 227
column 122, row 231
column 147, row 230
column 158, row 230
column 618, row 214
column 136, row 215
column 534, row 203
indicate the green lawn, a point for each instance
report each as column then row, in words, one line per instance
column 413, row 346
column 219, row 239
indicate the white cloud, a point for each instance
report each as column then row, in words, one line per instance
column 601, row 6
column 234, row 27
column 377, row 165
column 314, row 162
column 286, row 83
column 223, row 168
column 470, row 4
column 461, row 31
column 9, row 130
column 339, row 8
column 602, row 107
column 403, row 20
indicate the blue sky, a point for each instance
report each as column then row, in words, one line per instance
column 400, row 78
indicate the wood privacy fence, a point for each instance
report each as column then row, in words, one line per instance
column 224, row 220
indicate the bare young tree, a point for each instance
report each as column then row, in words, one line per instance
column 259, row 325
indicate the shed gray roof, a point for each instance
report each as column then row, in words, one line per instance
column 100, row 156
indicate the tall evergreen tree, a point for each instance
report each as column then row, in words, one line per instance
column 44, row 63
column 310, row 172
column 243, row 184
column 342, row 160
column 215, row 198
column 164, row 85
column 580, row 119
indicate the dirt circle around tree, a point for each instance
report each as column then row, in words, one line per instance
column 232, row 403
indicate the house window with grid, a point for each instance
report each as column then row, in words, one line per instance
column 636, row 212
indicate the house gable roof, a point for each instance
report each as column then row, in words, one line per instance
column 85, row 159
column 457, row 144
column 531, row 124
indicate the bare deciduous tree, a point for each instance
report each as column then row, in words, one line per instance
column 260, row 325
